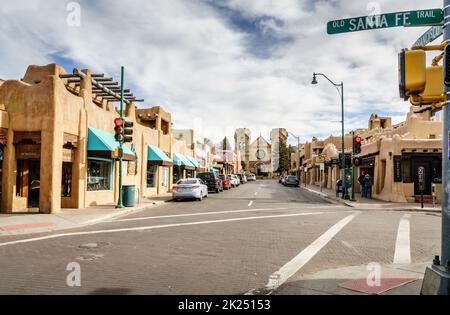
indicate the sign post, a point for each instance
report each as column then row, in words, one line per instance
column 421, row 176
column 437, row 277
column 431, row 17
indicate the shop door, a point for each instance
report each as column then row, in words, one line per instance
column 34, row 183
column 426, row 165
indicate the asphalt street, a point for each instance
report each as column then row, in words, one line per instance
column 260, row 238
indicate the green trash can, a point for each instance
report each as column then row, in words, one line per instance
column 129, row 196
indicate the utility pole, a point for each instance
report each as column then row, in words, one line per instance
column 437, row 277
column 353, row 167
column 120, row 201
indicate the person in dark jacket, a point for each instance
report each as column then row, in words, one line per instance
column 362, row 187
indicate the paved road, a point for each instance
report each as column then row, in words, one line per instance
column 258, row 238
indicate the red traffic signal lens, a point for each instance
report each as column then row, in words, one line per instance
column 118, row 122
column 358, row 139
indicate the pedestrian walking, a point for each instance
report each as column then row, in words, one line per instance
column 368, row 185
column 362, row 187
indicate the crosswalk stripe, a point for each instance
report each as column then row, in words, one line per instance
column 292, row 267
column 403, row 244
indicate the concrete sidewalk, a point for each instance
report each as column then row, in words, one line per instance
column 20, row 224
column 372, row 204
column 331, row 281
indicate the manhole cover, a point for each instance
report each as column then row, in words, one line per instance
column 93, row 245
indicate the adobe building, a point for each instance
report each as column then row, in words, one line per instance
column 58, row 146
column 391, row 155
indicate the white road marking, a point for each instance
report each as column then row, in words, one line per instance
column 198, row 214
column 293, row 266
column 250, row 203
column 256, row 193
column 403, row 245
column 154, row 227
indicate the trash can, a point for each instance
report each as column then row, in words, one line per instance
column 129, row 196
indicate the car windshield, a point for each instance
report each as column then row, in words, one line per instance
column 291, row 178
column 187, row 182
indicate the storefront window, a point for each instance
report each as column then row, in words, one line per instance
column 406, row 170
column 99, row 175
column 66, row 185
column 152, row 173
column 189, row 174
column 166, row 177
column 177, row 174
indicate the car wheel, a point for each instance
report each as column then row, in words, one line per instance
column 200, row 199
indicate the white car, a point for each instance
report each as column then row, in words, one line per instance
column 251, row 177
column 235, row 182
column 191, row 188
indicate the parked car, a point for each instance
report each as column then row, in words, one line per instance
column 235, row 182
column 251, row 177
column 192, row 188
column 283, row 179
column 242, row 178
column 292, row 181
column 226, row 183
column 212, row 180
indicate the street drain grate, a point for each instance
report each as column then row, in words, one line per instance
column 93, row 245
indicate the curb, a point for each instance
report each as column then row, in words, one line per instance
column 73, row 225
column 345, row 203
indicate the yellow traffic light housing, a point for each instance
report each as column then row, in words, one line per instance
column 434, row 88
column 412, row 72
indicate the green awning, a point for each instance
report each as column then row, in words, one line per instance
column 182, row 161
column 193, row 162
column 102, row 144
column 157, row 156
column 214, row 170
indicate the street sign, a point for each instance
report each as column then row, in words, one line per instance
column 322, row 166
column 320, row 159
column 430, row 17
column 421, row 176
column 429, row 36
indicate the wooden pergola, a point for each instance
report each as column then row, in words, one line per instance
column 103, row 88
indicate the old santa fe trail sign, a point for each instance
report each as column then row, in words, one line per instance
column 430, row 17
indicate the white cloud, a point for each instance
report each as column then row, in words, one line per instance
column 188, row 57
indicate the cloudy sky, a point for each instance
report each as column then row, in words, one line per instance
column 217, row 65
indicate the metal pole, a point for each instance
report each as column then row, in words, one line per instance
column 120, row 201
column 445, row 166
column 437, row 278
column 353, row 167
column 344, row 193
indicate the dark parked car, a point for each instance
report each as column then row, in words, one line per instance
column 213, row 181
column 226, row 183
column 291, row 181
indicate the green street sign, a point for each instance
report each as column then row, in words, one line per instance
column 431, row 17
column 429, row 36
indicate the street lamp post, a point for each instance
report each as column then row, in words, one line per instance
column 341, row 93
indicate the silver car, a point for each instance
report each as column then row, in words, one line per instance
column 191, row 188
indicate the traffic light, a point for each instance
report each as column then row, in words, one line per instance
column 119, row 136
column 128, row 131
column 434, row 88
column 447, row 66
column 357, row 142
column 356, row 161
column 412, row 72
